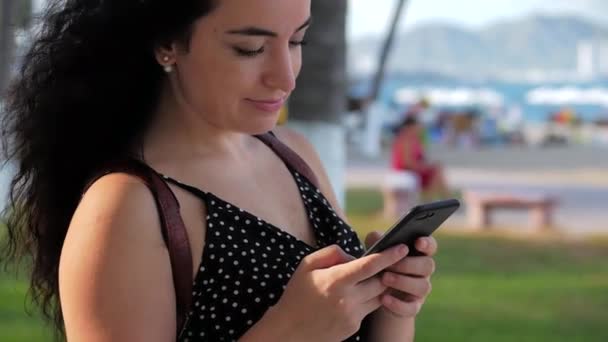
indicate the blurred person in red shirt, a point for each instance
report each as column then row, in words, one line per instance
column 409, row 154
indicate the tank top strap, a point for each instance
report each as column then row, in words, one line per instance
column 186, row 187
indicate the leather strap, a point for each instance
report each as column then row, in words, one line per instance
column 173, row 230
column 289, row 157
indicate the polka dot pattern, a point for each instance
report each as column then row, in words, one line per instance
column 247, row 263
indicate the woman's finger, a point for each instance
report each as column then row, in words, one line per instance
column 427, row 245
column 371, row 306
column 419, row 287
column 368, row 266
column 371, row 238
column 369, row 289
column 414, row 266
column 401, row 308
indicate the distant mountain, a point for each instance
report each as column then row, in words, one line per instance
column 540, row 42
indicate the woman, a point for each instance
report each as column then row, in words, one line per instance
column 184, row 87
column 408, row 153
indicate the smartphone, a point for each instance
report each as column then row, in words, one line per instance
column 421, row 220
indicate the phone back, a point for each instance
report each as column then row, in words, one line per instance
column 421, row 221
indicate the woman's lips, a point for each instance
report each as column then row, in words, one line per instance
column 272, row 106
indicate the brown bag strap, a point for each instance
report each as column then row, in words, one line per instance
column 173, row 230
column 289, row 157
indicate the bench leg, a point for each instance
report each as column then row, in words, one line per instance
column 478, row 215
column 389, row 204
column 397, row 202
column 541, row 218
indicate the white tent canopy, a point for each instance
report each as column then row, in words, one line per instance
column 450, row 96
column 568, row 96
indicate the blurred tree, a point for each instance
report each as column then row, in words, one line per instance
column 14, row 14
column 319, row 102
column 320, row 95
column 7, row 41
column 23, row 13
column 386, row 49
column 372, row 109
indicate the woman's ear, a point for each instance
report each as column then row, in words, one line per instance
column 165, row 55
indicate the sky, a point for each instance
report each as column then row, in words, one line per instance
column 373, row 16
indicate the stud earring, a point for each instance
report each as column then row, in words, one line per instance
column 167, row 67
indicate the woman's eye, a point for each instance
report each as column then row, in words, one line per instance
column 252, row 53
column 298, row 43
column 248, row 53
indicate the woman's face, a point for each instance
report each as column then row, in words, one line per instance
column 242, row 63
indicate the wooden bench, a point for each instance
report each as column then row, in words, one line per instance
column 480, row 205
column 399, row 192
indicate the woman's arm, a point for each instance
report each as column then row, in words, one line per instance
column 388, row 328
column 115, row 277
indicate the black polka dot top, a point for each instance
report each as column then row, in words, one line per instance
column 247, row 263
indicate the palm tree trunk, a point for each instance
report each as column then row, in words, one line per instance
column 317, row 106
column 7, row 41
column 374, row 112
column 386, row 49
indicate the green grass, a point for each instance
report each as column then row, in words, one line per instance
column 488, row 288
column 15, row 324
column 494, row 288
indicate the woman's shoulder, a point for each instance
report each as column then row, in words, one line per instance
column 300, row 144
column 117, row 208
column 303, row 148
column 295, row 140
column 117, row 198
column 306, row 150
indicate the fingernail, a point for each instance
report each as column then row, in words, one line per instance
column 402, row 250
column 423, row 243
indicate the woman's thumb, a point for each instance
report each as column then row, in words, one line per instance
column 371, row 238
column 327, row 257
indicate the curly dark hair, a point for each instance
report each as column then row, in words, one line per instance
column 86, row 90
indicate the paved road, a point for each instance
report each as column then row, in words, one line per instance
column 567, row 158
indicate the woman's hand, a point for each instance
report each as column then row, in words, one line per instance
column 331, row 292
column 408, row 280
